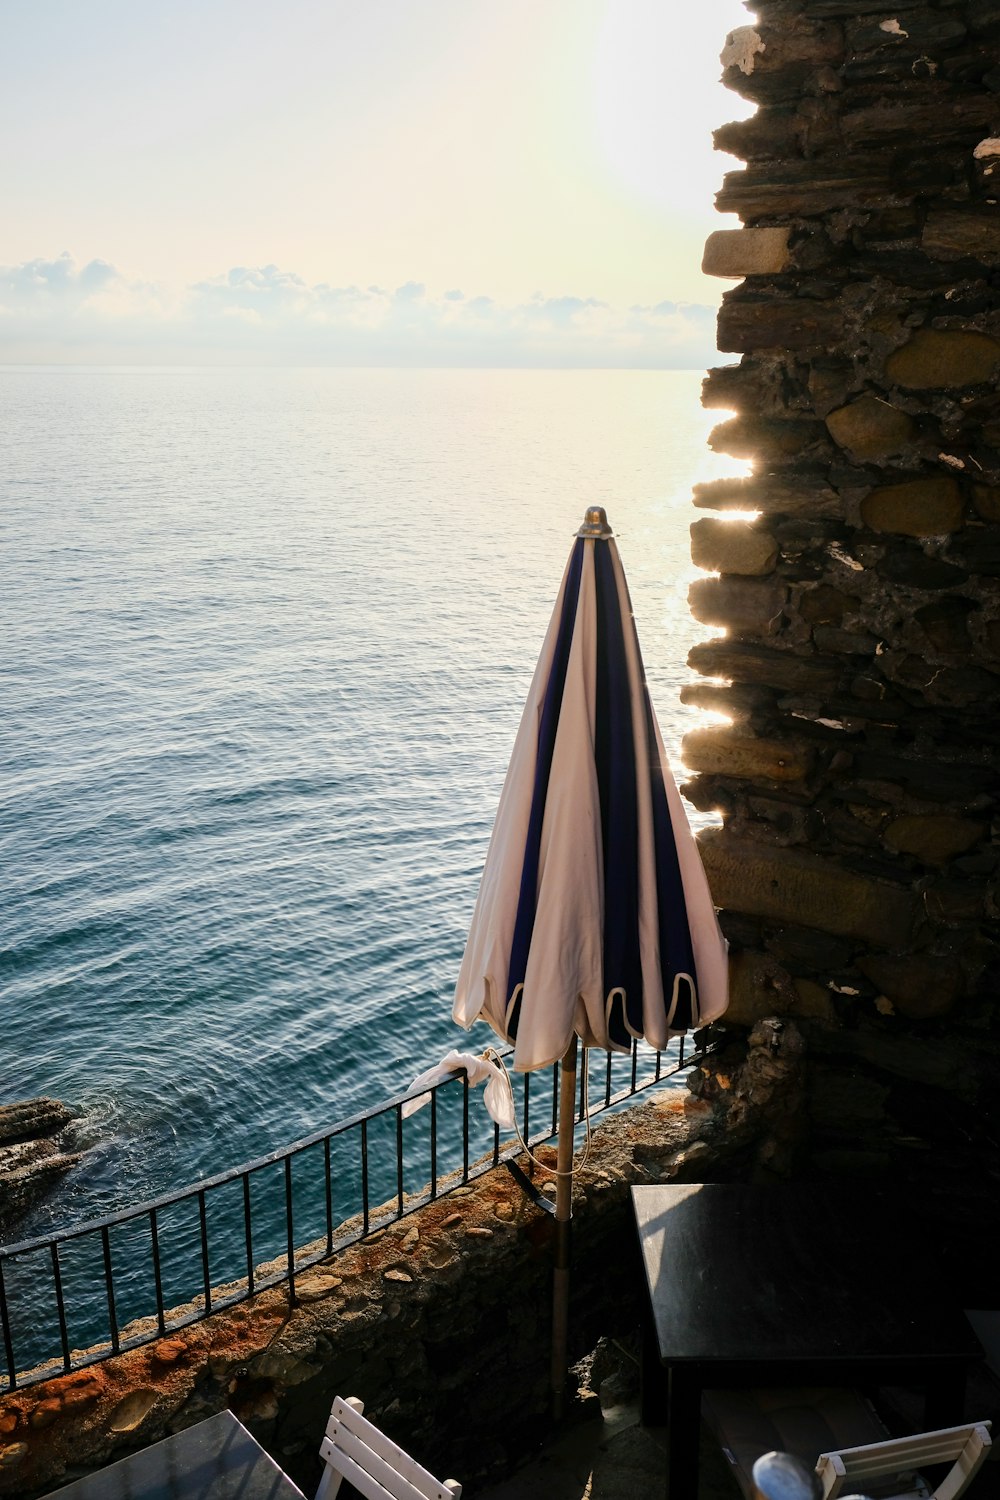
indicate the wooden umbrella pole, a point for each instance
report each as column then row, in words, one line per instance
column 564, row 1213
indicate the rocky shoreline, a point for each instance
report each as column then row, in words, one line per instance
column 32, row 1154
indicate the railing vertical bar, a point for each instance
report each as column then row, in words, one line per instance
column 109, row 1288
column 584, row 1085
column 465, row 1128
column 289, row 1228
column 434, row 1143
column 635, row 1063
column 496, row 1143
column 154, row 1241
column 659, row 1066
column 328, row 1189
column 364, row 1177
column 555, row 1097
column 399, row 1161
column 60, row 1304
column 248, row 1232
column 680, row 1060
column 607, row 1080
column 206, row 1274
column 526, row 1109
column 8, row 1343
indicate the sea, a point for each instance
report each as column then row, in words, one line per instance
column 265, row 637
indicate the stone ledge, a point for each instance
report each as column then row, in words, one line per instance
column 953, row 233
column 749, row 604
column 745, row 252
column 728, row 754
column 766, row 666
column 733, row 547
column 787, row 885
column 794, row 323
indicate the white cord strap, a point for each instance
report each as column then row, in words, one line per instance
column 491, row 1055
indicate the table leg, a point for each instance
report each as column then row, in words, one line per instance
column 944, row 1400
column 683, row 1433
column 652, row 1381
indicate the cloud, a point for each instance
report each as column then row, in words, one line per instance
column 48, row 283
column 55, row 310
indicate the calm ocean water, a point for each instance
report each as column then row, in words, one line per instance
column 266, row 638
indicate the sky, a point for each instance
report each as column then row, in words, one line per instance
column 361, row 181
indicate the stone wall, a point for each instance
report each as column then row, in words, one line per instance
column 860, row 664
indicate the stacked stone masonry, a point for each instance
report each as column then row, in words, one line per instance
column 860, row 664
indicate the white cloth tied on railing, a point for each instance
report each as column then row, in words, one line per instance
column 497, row 1096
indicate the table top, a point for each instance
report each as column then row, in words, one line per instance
column 794, row 1273
column 214, row 1460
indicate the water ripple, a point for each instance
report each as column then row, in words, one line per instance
column 266, row 639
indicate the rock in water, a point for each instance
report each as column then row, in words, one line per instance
column 31, row 1158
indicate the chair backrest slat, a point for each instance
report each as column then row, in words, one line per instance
column 355, row 1449
column 966, row 1446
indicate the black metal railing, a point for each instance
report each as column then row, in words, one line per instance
column 91, row 1291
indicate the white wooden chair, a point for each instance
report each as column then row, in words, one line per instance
column 355, row 1450
column 966, row 1448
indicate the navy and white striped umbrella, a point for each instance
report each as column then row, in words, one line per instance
column 594, row 917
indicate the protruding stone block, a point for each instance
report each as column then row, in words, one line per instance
column 919, row 507
column 787, row 885
column 945, row 624
column 754, row 437
column 736, row 701
column 765, row 665
column 732, row 547
column 934, row 837
column 871, row 428
column 803, row 493
column 919, row 985
column 951, row 233
column 935, row 359
column 954, row 903
column 736, row 603
column 813, row 1001
column 745, row 252
column 724, row 753
column 795, row 323
column 830, row 639
column 986, row 499
column 825, row 605
column 758, row 988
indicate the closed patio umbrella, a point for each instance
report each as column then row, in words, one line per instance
column 594, row 920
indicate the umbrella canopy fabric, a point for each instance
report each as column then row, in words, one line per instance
column 594, row 916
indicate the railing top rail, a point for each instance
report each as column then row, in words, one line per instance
column 234, row 1174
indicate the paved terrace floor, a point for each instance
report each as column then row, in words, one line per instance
column 611, row 1456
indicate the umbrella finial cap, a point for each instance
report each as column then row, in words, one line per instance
column 595, row 522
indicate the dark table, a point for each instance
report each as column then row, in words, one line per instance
column 790, row 1285
column 214, row 1460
